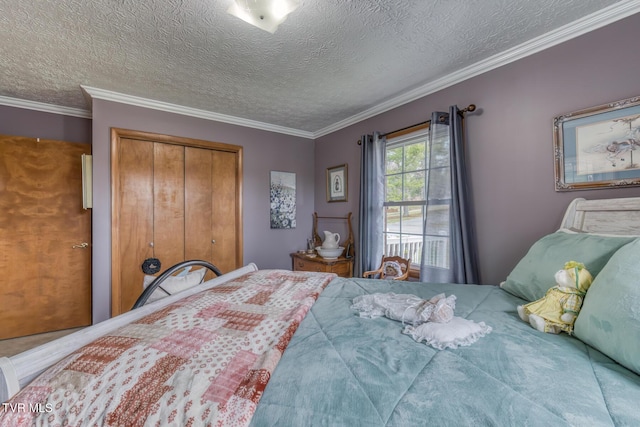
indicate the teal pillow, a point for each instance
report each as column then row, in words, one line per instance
column 610, row 315
column 533, row 275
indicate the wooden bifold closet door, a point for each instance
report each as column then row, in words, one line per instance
column 174, row 199
column 45, row 237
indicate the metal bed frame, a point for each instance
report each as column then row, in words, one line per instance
column 142, row 299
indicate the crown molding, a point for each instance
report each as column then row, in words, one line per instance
column 107, row 95
column 567, row 32
column 46, row 108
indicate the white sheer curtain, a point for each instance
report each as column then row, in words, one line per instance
column 448, row 191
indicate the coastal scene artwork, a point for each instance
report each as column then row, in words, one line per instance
column 609, row 145
column 598, row 147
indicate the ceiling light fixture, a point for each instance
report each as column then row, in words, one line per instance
column 264, row 14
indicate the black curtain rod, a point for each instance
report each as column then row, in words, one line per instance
column 471, row 108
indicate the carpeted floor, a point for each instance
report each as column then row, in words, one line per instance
column 14, row 346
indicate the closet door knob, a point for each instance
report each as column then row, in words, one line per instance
column 151, row 244
column 213, row 241
column 80, row 246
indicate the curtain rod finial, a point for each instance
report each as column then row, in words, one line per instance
column 470, row 109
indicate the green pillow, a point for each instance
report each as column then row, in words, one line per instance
column 534, row 274
column 610, row 315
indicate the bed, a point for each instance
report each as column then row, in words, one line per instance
column 332, row 367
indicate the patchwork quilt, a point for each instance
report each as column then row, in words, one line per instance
column 204, row 360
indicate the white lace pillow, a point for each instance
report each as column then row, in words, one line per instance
column 174, row 284
column 457, row 332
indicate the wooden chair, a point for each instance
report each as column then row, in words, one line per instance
column 389, row 269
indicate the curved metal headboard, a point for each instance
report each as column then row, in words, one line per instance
column 142, row 299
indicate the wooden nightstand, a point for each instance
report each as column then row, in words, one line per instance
column 342, row 266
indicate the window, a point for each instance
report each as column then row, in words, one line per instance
column 417, row 184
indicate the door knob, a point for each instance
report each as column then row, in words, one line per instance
column 213, row 241
column 80, row 246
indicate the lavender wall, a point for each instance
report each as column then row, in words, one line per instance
column 263, row 151
column 509, row 139
column 37, row 124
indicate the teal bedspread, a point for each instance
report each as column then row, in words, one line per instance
column 343, row 370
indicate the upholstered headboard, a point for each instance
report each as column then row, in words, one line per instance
column 620, row 217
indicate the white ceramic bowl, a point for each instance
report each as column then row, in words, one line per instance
column 329, row 253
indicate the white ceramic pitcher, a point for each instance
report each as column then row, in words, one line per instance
column 331, row 240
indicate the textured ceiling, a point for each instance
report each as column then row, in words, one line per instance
column 331, row 59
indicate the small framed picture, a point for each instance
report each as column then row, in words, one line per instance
column 337, row 183
column 596, row 147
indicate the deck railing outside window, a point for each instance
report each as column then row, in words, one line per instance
column 437, row 251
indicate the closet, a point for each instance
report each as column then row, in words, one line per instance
column 172, row 199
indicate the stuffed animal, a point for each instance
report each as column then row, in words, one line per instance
column 558, row 309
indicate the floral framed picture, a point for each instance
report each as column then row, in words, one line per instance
column 337, row 183
column 283, row 199
column 596, row 147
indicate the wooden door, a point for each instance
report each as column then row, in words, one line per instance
column 45, row 268
column 210, row 205
column 168, row 203
column 198, row 203
column 132, row 243
column 151, row 187
column 173, row 199
column 225, row 210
